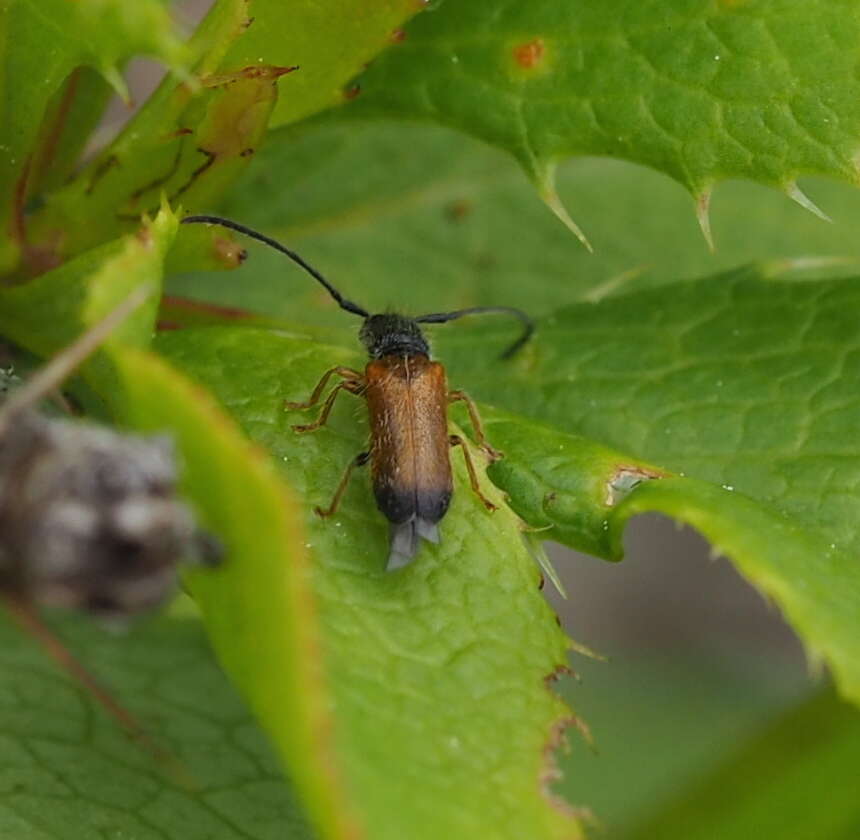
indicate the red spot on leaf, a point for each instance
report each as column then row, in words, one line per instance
column 529, row 55
column 398, row 35
column 458, row 209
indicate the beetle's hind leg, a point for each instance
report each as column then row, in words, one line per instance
column 462, row 396
column 359, row 461
column 456, row 440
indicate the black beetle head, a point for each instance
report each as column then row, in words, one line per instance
column 393, row 335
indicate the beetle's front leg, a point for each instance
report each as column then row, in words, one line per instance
column 351, row 385
column 345, row 373
column 462, row 396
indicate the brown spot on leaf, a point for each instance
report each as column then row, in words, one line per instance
column 556, row 674
column 351, row 92
column 625, row 478
column 529, row 55
column 144, row 236
column 585, row 731
column 550, row 774
column 268, row 71
column 458, row 209
column 265, row 72
column 398, row 35
column 557, row 741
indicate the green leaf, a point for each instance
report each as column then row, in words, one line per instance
column 372, row 203
column 191, row 142
column 43, row 43
column 730, row 380
column 258, row 607
column 340, row 690
column 584, row 494
column 565, row 486
column 743, row 383
column 797, row 780
column 50, row 311
column 699, row 90
column 331, row 41
column 437, row 673
column 74, row 775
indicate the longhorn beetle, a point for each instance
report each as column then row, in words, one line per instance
column 407, row 397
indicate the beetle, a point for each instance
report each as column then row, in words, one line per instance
column 407, row 398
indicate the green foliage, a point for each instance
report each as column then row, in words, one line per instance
column 437, row 670
column 198, row 131
column 700, row 90
column 420, row 703
column 370, row 201
column 73, row 774
column 45, row 44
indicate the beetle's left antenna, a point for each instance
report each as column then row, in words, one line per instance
column 348, row 305
column 528, row 324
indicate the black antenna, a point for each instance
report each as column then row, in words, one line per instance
column 348, row 305
column 529, row 327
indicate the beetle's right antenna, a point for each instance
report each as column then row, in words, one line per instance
column 528, row 324
column 348, row 305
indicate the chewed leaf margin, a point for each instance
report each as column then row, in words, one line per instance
column 582, row 494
